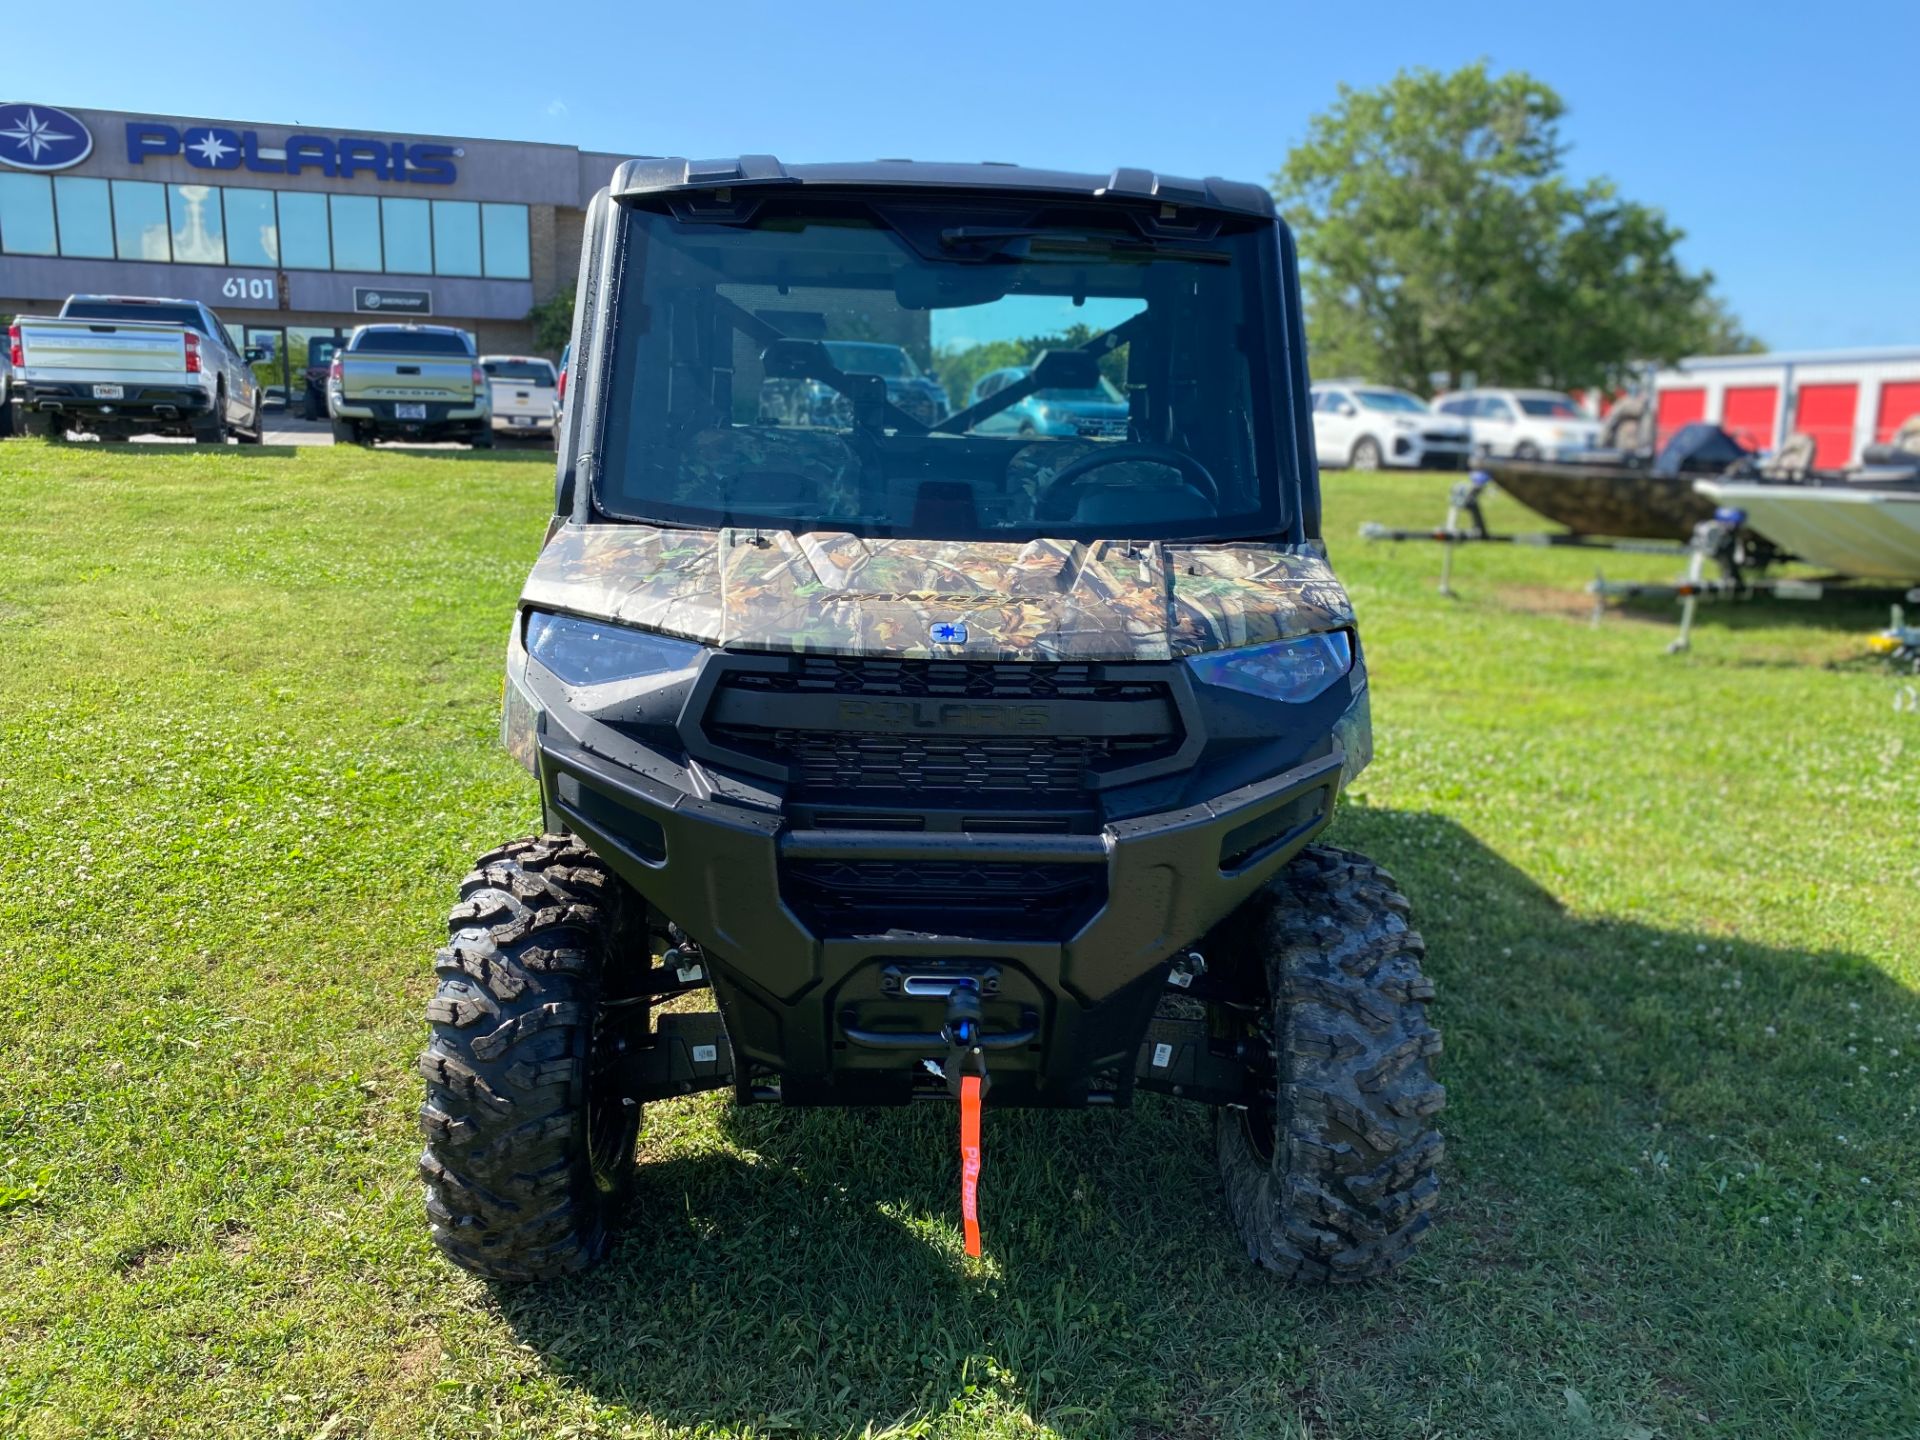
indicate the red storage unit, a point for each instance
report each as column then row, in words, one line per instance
column 1677, row 408
column 1826, row 413
column 1747, row 413
column 1899, row 399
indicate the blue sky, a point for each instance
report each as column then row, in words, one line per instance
column 1782, row 139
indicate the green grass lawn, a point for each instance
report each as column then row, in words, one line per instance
column 247, row 746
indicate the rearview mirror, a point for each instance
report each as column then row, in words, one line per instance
column 1066, row 370
column 255, row 354
column 796, row 360
column 946, row 287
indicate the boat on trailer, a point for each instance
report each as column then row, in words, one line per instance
column 1630, row 496
column 1869, row 529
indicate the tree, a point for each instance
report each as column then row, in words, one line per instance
column 957, row 368
column 1439, row 235
column 553, row 324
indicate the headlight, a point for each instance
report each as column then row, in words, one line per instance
column 592, row 652
column 1294, row 670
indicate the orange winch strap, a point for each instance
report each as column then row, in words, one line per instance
column 970, row 1159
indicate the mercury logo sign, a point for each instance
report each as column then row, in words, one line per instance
column 39, row 137
column 215, row 147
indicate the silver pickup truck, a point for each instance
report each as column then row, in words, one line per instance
column 416, row 382
column 122, row 365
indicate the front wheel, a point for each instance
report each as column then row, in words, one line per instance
column 530, row 1145
column 1526, row 450
column 1330, row 1176
column 1366, row 454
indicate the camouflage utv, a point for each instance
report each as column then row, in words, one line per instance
column 960, row 765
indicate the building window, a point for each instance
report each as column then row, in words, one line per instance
column 408, row 227
column 253, row 235
column 303, row 231
column 456, row 237
column 505, row 231
column 86, row 217
column 140, row 220
column 26, row 215
column 197, row 235
column 356, row 232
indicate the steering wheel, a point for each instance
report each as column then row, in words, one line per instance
column 1063, row 497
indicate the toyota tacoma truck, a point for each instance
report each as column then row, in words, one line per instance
column 961, row 767
column 409, row 382
column 116, row 366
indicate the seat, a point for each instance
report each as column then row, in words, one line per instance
column 1792, row 461
column 1902, row 450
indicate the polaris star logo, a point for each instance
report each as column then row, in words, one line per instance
column 39, row 137
column 949, row 632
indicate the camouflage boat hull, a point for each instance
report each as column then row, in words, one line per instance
column 1624, row 501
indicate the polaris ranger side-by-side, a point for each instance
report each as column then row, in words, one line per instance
column 958, row 763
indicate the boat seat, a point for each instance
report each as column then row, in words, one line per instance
column 1902, row 449
column 1792, row 461
column 1626, row 426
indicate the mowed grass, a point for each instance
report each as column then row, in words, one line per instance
column 247, row 746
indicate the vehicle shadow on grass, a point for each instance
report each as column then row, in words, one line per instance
column 808, row 1277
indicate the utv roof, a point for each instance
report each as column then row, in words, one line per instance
column 662, row 174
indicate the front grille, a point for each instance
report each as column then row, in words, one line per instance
column 943, row 679
column 981, row 900
column 847, row 756
column 948, row 765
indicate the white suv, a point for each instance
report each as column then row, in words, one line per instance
column 1525, row 424
column 1366, row 426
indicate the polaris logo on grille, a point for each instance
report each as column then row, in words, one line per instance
column 949, row 632
column 943, row 715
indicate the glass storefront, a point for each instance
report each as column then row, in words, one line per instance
column 297, row 230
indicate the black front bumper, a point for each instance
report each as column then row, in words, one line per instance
column 798, row 1001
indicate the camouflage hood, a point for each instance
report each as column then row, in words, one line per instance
column 839, row 594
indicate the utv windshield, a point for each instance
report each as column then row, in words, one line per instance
column 750, row 365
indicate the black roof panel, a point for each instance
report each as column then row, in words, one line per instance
column 668, row 173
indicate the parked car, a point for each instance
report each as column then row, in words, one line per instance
column 524, row 394
column 815, row 403
column 6, row 391
column 124, row 365
column 560, row 388
column 1526, row 424
column 1098, row 411
column 1364, row 426
column 417, row 382
column 320, row 352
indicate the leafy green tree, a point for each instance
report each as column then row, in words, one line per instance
column 1439, row 234
column 552, row 324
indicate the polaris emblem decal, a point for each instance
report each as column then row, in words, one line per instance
column 39, row 137
column 949, row 632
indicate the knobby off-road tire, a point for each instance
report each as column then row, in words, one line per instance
column 1335, row 1181
column 530, row 1157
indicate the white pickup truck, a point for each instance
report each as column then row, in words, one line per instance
column 525, row 393
column 122, row 365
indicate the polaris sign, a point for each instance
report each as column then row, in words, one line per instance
column 39, row 137
column 214, row 147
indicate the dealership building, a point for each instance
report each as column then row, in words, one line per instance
column 289, row 232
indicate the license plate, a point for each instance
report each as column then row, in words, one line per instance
column 109, row 392
column 522, row 419
column 410, row 412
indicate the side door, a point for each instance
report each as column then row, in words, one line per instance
column 1343, row 426
column 1501, row 424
